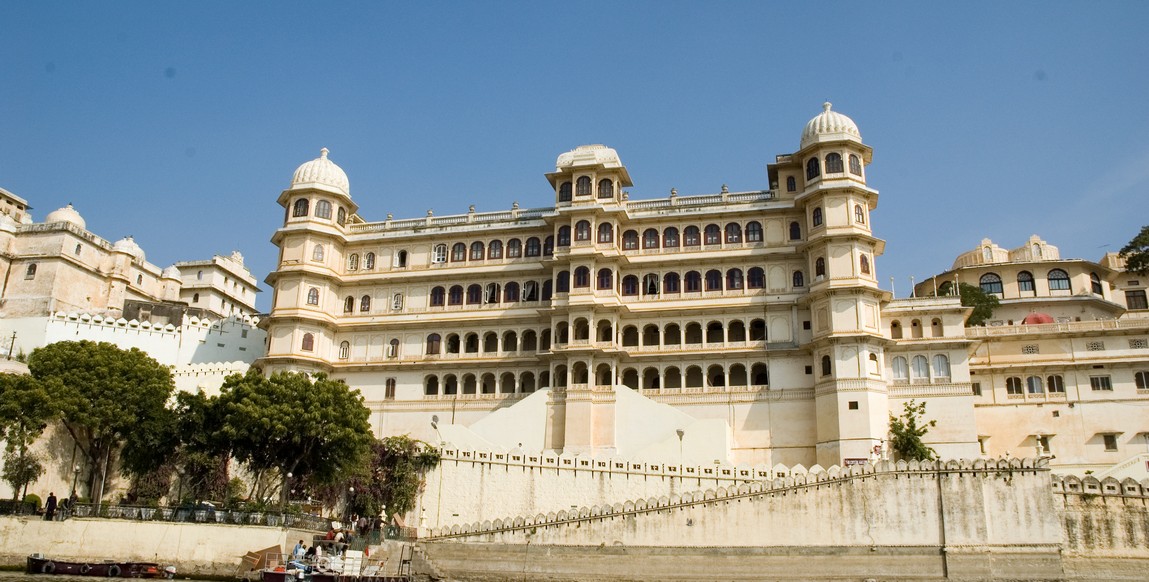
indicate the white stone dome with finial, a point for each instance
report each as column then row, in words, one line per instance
column 323, row 174
column 829, row 126
column 66, row 214
column 171, row 272
column 128, row 245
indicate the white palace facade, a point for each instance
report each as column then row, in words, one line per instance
column 734, row 327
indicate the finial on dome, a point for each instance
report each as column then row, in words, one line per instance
column 323, row 152
column 826, row 106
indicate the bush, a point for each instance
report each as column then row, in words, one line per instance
column 33, row 499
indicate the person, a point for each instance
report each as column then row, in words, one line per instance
column 363, row 525
column 50, row 507
column 300, row 548
column 310, row 553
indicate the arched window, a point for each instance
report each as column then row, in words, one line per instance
column 630, row 240
column 533, row 247
column 323, row 209
column 582, row 186
column 495, row 249
column 308, row 343
column 434, row 342
column 565, row 192
column 859, row 214
column 511, row 292
column 300, row 208
column 30, row 272
column 1056, row 383
column 670, row 238
column 865, row 263
column 1058, row 280
column 397, row 301
column 799, row 280
column 834, row 163
column 605, row 188
column 344, row 350
column 826, row 365
column 514, row 248
column 582, row 230
column 1140, row 380
column 1013, row 385
column 650, row 239
column 855, row 165
column 714, row 280
column 393, row 349
column 313, row 296
column 1025, row 283
column 353, row 262
column 812, row 169
column 795, row 231
column 791, row 184
column 991, row 284
column 365, row 303
column 455, row 296
column 630, row 285
column 530, row 291
column 341, row 216
column 478, row 251
column 733, row 233
column 317, row 253
column 605, row 233
column 400, row 260
column 1095, row 284
column 199, row 275
column 734, row 279
column 753, row 231
column 755, row 278
column 692, row 282
column 920, row 368
column 691, row 236
column 900, row 369
column 942, row 366
column 195, row 298
column 438, row 296
column 650, row 284
column 896, row 329
column 1034, row 385
column 563, row 282
column 670, row 283
column 582, row 277
column 369, row 261
column 820, row 267
column 349, row 304
column 458, row 253
column 474, row 294
column 816, row 217
column 605, row 279
column 491, row 294
column 713, row 234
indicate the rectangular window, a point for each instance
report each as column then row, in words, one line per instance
column 1043, row 445
column 1136, row 299
column 389, row 394
column 1100, row 383
column 977, row 388
column 1110, row 442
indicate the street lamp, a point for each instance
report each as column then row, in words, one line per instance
column 180, row 495
column 75, row 476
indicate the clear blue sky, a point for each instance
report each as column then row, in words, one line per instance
column 180, row 122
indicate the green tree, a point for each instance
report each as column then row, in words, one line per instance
column 983, row 303
column 393, row 478
column 907, row 430
column 316, row 430
column 106, row 397
column 21, row 467
column 1136, row 253
column 25, row 410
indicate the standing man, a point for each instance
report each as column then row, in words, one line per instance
column 50, row 507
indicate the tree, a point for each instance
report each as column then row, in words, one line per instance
column 25, row 410
column 1136, row 253
column 983, row 303
column 21, row 468
column 393, row 478
column 105, row 396
column 317, row 431
column 907, row 430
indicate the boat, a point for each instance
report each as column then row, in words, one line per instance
column 41, row 564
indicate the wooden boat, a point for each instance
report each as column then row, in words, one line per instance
column 39, row 564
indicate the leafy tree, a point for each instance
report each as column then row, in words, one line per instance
column 106, row 397
column 983, row 303
column 393, row 478
column 317, row 430
column 907, row 430
column 21, row 467
column 1136, row 253
column 25, row 410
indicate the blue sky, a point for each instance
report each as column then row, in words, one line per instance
column 180, row 122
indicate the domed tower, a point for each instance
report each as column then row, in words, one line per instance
column 317, row 210
column 844, row 299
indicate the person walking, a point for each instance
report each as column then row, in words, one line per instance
column 50, row 507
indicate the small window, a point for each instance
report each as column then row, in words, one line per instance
column 812, row 169
column 859, row 214
column 458, row 253
column 139, row 279
column 1034, row 385
column 630, row 240
column 1095, row 284
column 438, row 296
column 791, row 184
column 816, row 217
column 78, row 248
column 533, row 247
column 605, row 188
column 605, row 279
column 942, row 366
column 455, row 297
column 692, row 282
column 582, row 230
column 434, row 342
column 691, row 236
column 795, row 231
column 670, row 238
column 397, row 302
column 826, row 367
column 30, row 272
column 714, row 280
column 389, row 390
column 1055, row 384
column 901, row 369
column 474, row 294
column 195, row 298
column 514, row 248
column 495, row 249
column 308, row 343
column 349, row 304
column 393, row 349
column 755, row 278
column 1110, row 442
column 344, row 350
column 317, row 253
column 834, row 163
column 753, row 231
column 799, row 280
column 1058, row 280
column 865, row 261
column 323, row 209
column 605, row 233
column 820, row 267
column 582, row 186
column 670, row 283
column 478, row 251
column 1025, row 283
column 855, row 165
column 713, row 234
column 562, row 282
column 1136, row 299
column 650, row 239
column 353, row 262
column 199, row 275
column 341, row 216
column 991, row 284
column 1013, row 385
column 313, row 296
column 300, row 208
column 365, row 303
column 733, row 233
column 630, row 285
column 582, row 277
column 565, row 192
column 1141, row 380
column 439, row 254
column 369, row 261
column 1100, row 383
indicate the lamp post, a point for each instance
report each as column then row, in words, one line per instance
column 180, row 494
column 350, row 498
column 75, row 476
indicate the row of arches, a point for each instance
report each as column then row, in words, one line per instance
column 652, row 378
column 1054, row 384
column 480, row 250
column 302, row 208
column 485, row 383
column 1057, row 280
column 897, row 330
column 583, row 187
column 917, row 369
column 833, row 166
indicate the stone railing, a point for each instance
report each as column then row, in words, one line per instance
column 1071, row 326
column 200, row 515
column 1109, row 486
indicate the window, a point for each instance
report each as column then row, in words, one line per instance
column 691, row 236
column 976, row 386
column 630, row 285
column 582, row 186
column 1058, row 280
column 1141, row 380
column 369, row 261
column 834, row 163
column 753, row 231
column 1055, row 383
column 308, row 343
column 393, row 349
column 1034, row 385
column 795, row 231
column 919, row 368
column 344, row 350
column 434, row 343
column 692, row 282
column 1042, row 444
column 400, row 260
column 733, row 233
column 605, row 279
column 755, row 278
column 713, row 234
column 816, row 217
column 942, row 366
column 511, row 292
column 323, row 209
column 791, row 184
column 901, row 369
column 313, row 296
column 353, row 262
column 438, row 296
column 1110, row 441
column 799, row 280
column 605, row 233
column 389, row 391
column 563, row 282
column 195, row 298
column 478, row 251
column 865, row 265
column 812, row 169
column 341, row 216
column 670, row 283
column 455, row 296
column 1136, row 299
column 349, row 304
column 650, row 239
column 300, row 208
column 549, row 246
column 582, row 230
column 317, row 253
column 734, row 279
column 630, row 240
column 826, row 365
column 30, row 272
column 458, row 252
column 530, row 291
column 565, row 192
column 859, row 214
column 819, row 267
column 605, row 188
column 1100, row 383
column 714, row 280
column 1013, row 385
column 495, row 249
column 670, row 238
column 365, row 303
column 582, row 277
column 855, row 165
column 1095, row 284
column 991, row 284
column 514, row 248
column 474, row 295
column 650, row 284
column 199, row 275
column 1025, row 283
column 533, row 247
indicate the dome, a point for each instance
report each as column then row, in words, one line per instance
column 322, row 173
column 128, row 245
column 7, row 224
column 171, row 272
column 1036, row 318
column 829, row 125
column 589, row 155
column 66, row 214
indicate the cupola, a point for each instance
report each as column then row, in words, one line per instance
column 829, row 126
column 322, row 174
column 128, row 245
column 66, row 214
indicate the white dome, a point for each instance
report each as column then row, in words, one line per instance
column 589, row 155
column 171, row 272
column 322, row 173
column 829, row 125
column 128, row 245
column 66, row 214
